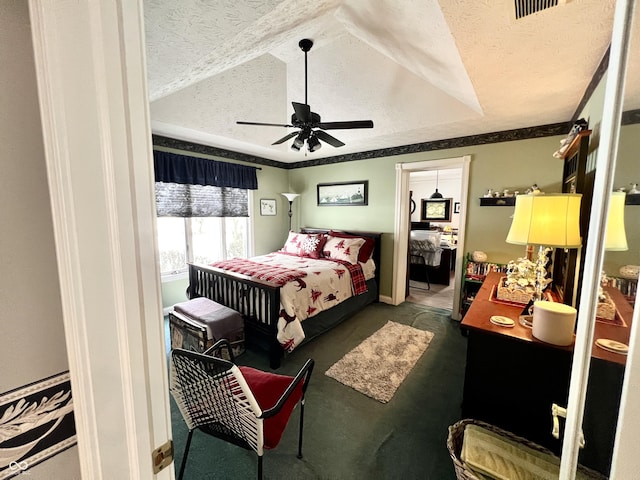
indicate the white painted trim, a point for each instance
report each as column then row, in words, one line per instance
column 401, row 227
column 91, row 76
column 385, row 299
column 594, row 254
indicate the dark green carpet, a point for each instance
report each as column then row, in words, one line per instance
column 348, row 435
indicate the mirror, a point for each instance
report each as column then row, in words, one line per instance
column 619, row 287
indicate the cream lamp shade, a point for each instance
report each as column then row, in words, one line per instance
column 616, row 237
column 552, row 220
column 290, row 196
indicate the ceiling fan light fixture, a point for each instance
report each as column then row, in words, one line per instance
column 313, row 143
column 298, row 142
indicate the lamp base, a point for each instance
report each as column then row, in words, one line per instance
column 526, row 321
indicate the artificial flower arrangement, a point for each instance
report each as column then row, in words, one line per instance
column 605, row 308
column 522, row 276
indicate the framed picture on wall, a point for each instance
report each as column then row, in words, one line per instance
column 343, row 193
column 456, row 207
column 436, row 210
column 267, row 206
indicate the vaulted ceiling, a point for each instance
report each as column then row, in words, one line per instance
column 422, row 70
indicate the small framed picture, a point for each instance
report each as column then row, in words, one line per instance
column 267, row 206
column 456, row 207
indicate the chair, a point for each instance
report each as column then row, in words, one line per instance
column 241, row 405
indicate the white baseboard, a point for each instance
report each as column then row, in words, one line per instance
column 385, row 299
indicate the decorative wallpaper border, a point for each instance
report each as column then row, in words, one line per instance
column 481, row 139
column 36, row 423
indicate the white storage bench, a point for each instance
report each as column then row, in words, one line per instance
column 198, row 323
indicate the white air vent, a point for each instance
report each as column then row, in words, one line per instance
column 527, row 7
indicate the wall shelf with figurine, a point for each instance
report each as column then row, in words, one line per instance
column 497, row 201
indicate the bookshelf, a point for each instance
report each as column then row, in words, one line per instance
column 475, row 273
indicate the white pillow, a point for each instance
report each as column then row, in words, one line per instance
column 346, row 249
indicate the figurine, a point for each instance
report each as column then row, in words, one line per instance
column 534, row 190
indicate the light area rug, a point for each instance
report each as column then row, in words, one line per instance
column 379, row 365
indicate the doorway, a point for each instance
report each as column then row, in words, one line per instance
column 432, row 240
column 402, row 225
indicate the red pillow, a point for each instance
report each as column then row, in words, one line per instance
column 268, row 388
column 366, row 250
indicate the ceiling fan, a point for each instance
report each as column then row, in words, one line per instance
column 311, row 128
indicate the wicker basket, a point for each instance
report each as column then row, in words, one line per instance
column 515, row 295
column 454, row 445
column 606, row 309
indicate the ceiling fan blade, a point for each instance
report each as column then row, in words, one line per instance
column 345, row 125
column 325, row 137
column 285, row 138
column 303, row 112
column 265, row 124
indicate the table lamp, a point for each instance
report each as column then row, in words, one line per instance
column 545, row 220
column 290, row 197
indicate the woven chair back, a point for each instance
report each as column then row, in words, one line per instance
column 212, row 394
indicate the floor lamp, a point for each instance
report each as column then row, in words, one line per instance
column 290, row 197
column 545, row 220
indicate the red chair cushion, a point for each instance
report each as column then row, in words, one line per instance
column 268, row 388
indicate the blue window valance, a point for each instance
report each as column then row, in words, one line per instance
column 175, row 168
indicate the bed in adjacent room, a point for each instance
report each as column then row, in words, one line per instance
column 318, row 279
column 431, row 255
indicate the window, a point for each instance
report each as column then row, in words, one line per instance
column 203, row 210
column 200, row 240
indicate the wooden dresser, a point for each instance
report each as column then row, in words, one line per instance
column 512, row 379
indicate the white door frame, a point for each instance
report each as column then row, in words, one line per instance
column 401, row 228
column 90, row 67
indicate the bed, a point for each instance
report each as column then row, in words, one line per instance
column 263, row 298
column 431, row 255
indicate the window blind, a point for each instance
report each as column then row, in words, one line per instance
column 197, row 187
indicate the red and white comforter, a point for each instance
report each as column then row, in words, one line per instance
column 309, row 286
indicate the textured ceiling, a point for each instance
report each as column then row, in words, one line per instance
column 422, row 70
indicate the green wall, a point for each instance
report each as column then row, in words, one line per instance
column 514, row 165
